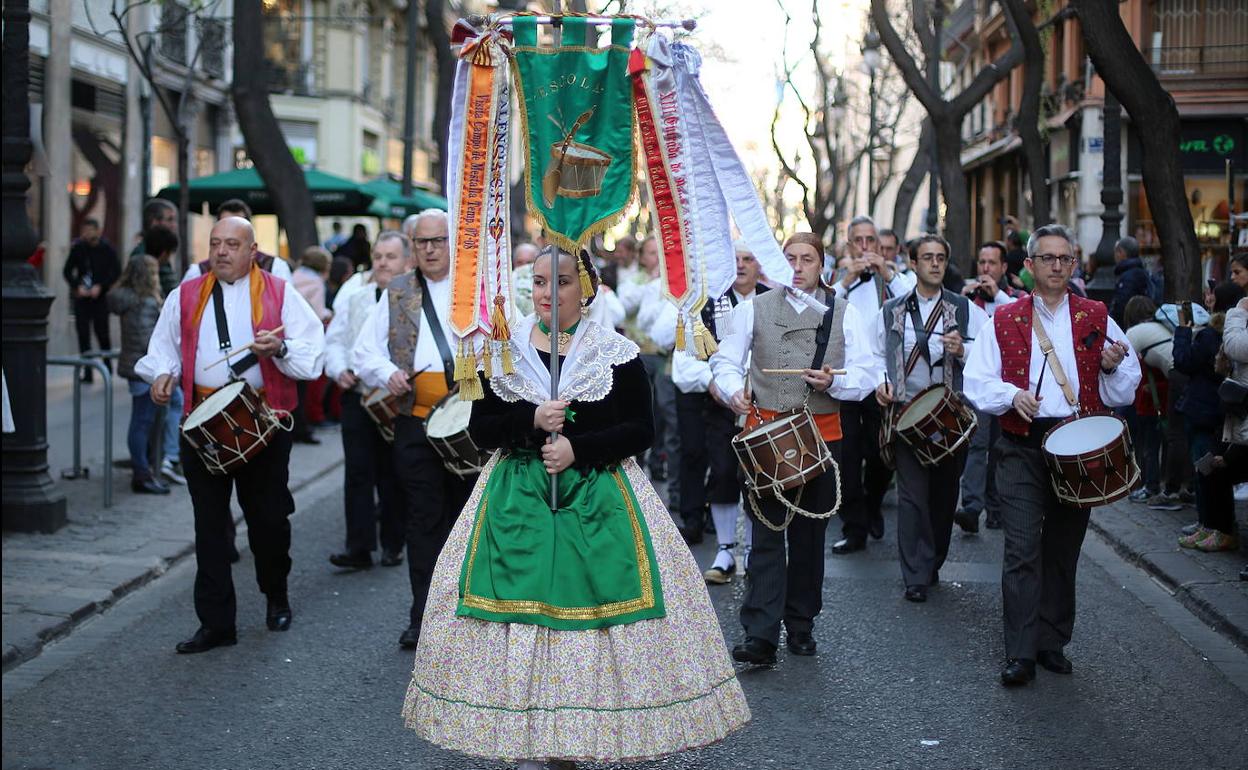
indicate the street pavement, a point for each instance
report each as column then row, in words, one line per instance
column 895, row 685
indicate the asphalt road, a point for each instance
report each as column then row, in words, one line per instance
column 894, row 685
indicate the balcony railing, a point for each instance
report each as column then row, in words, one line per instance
column 212, row 47
column 1199, row 60
column 173, row 23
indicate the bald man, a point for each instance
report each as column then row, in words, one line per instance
column 233, row 306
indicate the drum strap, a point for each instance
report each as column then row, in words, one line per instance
column 824, row 333
column 921, row 337
column 223, row 333
column 1046, row 347
column 435, row 328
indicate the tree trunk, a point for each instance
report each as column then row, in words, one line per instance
column 1156, row 120
column 184, row 204
column 957, row 197
column 1029, row 112
column 435, row 15
column 265, row 144
column 909, row 188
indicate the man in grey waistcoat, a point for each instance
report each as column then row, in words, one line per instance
column 921, row 340
column 777, row 330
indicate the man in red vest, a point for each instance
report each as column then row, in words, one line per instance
column 234, row 306
column 1088, row 368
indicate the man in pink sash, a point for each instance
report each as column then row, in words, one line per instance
column 235, row 306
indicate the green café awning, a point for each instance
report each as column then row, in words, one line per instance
column 390, row 202
column 332, row 195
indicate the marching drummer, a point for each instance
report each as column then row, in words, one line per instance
column 921, row 339
column 369, row 459
column 404, row 346
column 780, row 331
column 234, row 307
column 1049, row 356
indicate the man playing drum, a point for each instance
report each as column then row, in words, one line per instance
column 1049, row 356
column 404, row 347
column 920, row 341
column 369, row 459
column 782, row 332
column 234, row 306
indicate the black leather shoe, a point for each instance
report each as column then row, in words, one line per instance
column 968, row 521
column 148, row 487
column 278, row 615
column 992, row 521
column 916, row 593
column 1054, row 661
column 935, row 581
column 391, row 558
column 848, row 545
column 876, row 529
column 409, row 638
column 755, row 651
column 205, row 639
column 802, row 643
column 352, row 559
column 690, row 535
column 1018, row 672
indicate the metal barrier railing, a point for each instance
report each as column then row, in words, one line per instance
column 92, row 359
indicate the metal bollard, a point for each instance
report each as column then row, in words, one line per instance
column 95, row 362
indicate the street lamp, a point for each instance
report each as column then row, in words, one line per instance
column 839, row 100
column 871, row 61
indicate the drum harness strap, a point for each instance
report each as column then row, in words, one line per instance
column 822, row 336
column 1046, row 347
column 223, row 334
column 435, row 328
column 888, row 420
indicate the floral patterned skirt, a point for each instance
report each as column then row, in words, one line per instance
column 516, row 691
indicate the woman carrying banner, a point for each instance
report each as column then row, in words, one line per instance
column 585, row 633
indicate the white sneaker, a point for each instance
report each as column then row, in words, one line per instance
column 172, row 471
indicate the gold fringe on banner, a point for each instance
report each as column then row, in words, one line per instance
column 466, row 373
column 680, row 331
column 703, row 341
column 487, row 361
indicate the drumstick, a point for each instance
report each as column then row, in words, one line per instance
column 799, row 371
column 233, row 353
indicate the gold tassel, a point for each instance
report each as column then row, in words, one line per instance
column 680, row 331
column 487, row 361
column 470, row 389
column 704, row 341
column 587, row 286
column 508, row 366
column 498, row 320
column 458, row 374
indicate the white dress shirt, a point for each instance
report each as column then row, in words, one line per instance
column 922, row 375
column 863, row 297
column 606, row 310
column 304, row 335
column 730, row 365
column 352, row 304
column 281, row 269
column 689, row 373
column 371, row 358
column 998, row 301
column 985, row 388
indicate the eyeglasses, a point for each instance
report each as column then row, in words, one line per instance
column 435, row 242
column 933, row 257
column 1048, row 260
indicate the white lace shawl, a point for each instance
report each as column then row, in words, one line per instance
column 586, row 372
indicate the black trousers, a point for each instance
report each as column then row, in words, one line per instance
column 786, row 568
column 1043, row 537
column 371, row 488
column 432, row 500
column 92, row 313
column 865, row 477
column 267, row 504
column 708, row 467
column 926, row 500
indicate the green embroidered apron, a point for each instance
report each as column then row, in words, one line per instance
column 589, row 566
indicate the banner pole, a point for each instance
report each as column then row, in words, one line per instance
column 554, row 317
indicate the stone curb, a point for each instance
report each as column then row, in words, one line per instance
column 74, row 612
column 1183, row 579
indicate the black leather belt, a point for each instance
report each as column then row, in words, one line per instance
column 1035, row 437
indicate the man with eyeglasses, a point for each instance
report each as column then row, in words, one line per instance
column 868, row 283
column 1088, row 368
column 404, row 347
column 921, row 340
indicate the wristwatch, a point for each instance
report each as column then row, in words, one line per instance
column 281, row 352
